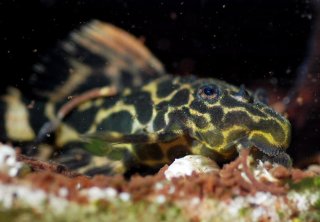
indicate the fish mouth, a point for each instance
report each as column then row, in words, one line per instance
column 264, row 153
column 261, row 144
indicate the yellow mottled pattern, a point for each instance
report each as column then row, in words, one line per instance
column 66, row 134
column 17, row 117
column 172, row 126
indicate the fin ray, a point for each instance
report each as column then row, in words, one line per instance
column 98, row 54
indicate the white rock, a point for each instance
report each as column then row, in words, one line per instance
column 95, row 193
column 10, row 195
column 160, row 199
column 124, row 196
column 158, row 186
column 63, row 192
column 111, row 192
column 8, row 161
column 185, row 166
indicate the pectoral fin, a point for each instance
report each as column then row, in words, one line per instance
column 136, row 138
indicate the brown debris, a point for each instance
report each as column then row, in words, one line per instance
column 280, row 172
column 52, row 183
column 270, row 187
column 38, row 165
column 297, row 175
column 235, row 178
column 5, row 178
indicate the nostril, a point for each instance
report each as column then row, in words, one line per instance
column 243, row 95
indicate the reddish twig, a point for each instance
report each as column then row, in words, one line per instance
column 38, row 165
column 272, row 188
column 88, row 95
column 52, row 125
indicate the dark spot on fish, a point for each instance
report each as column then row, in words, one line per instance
column 178, row 119
column 109, row 102
column 213, row 138
column 159, row 122
column 142, row 103
column 199, row 121
column 272, row 127
column 238, row 118
column 100, row 170
column 119, row 122
column 148, row 151
column 219, row 157
column 177, row 152
column 167, row 136
column 180, row 98
column 199, row 106
column 165, row 88
column 162, row 106
column 73, row 156
column 82, row 120
column 136, row 138
column 216, row 115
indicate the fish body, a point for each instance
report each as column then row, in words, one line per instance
column 150, row 117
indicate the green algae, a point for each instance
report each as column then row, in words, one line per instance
column 311, row 185
column 115, row 211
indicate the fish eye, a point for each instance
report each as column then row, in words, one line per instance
column 208, row 92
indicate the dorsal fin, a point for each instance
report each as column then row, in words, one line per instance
column 99, row 54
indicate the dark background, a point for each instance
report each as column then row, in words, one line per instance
column 235, row 40
column 239, row 41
